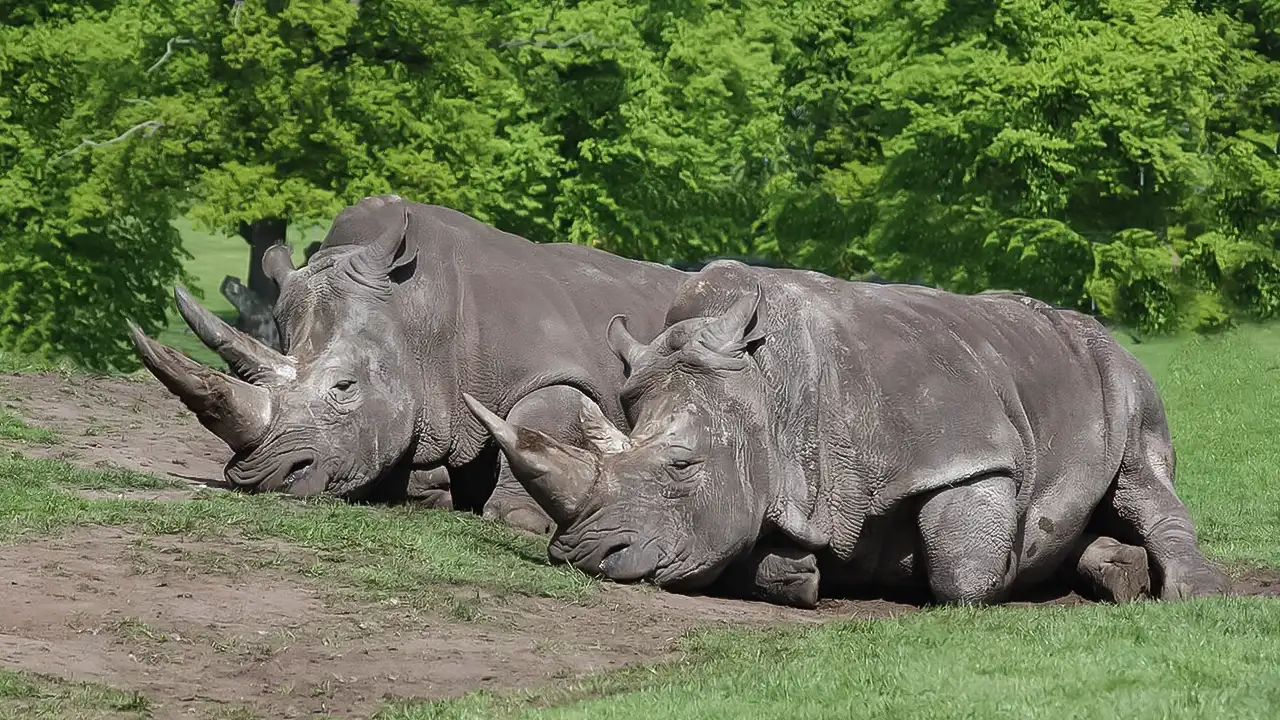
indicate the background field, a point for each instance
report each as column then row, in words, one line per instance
column 172, row 600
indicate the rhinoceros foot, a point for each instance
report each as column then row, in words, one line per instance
column 518, row 513
column 1112, row 571
column 1192, row 579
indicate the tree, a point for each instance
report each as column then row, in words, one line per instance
column 293, row 109
column 1062, row 149
column 83, row 215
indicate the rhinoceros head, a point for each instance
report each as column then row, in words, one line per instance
column 339, row 410
column 677, row 500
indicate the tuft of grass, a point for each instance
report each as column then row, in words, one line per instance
column 398, row 555
column 31, row 697
column 13, row 427
column 1198, row 659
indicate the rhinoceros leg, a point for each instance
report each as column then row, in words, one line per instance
column 776, row 573
column 430, row 488
column 553, row 410
column 967, row 533
column 1144, row 510
column 1141, row 507
column 1109, row 570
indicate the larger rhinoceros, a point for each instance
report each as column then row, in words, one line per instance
column 403, row 308
column 889, row 436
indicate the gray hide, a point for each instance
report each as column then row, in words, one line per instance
column 796, row 433
column 403, row 309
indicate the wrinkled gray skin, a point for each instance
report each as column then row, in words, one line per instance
column 403, row 309
column 824, row 436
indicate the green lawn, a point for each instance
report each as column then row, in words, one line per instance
column 1210, row 659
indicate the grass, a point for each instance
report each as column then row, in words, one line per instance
column 13, row 427
column 383, row 553
column 1197, row 659
column 37, row 697
column 1210, row 658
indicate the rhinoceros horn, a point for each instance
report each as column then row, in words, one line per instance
column 557, row 476
column 232, row 409
column 247, row 357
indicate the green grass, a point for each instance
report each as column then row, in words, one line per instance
column 38, row 697
column 402, row 553
column 13, row 427
column 1198, row 659
column 1210, row 659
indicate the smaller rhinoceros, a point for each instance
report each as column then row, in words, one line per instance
column 891, row 436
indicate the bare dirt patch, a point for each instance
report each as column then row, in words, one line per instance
column 153, row 614
column 130, row 422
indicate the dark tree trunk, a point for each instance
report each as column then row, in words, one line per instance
column 260, row 235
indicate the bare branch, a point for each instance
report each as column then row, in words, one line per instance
column 235, row 13
column 168, row 52
column 576, row 40
column 147, row 128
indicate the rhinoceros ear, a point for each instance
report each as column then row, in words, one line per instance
column 603, row 435
column 738, row 329
column 626, row 347
column 556, row 476
column 390, row 255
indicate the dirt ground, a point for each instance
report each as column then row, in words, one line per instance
column 199, row 636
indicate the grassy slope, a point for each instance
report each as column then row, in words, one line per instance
column 1204, row 659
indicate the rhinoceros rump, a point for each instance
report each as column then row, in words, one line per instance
column 790, row 428
column 403, row 308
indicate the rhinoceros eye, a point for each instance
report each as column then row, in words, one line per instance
column 344, row 385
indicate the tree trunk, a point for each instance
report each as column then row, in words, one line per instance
column 262, row 234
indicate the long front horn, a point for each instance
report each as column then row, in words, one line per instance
column 247, row 356
column 557, row 476
column 232, row 409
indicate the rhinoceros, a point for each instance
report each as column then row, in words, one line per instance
column 796, row 435
column 403, row 308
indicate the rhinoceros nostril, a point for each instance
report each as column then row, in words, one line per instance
column 296, row 471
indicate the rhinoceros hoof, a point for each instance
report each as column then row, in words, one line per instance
column 1124, row 575
column 520, row 517
column 1183, row 582
column 787, row 578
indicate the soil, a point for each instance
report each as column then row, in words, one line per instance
column 199, row 633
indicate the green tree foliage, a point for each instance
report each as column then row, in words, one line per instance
column 1110, row 155
column 85, row 239
column 1062, row 148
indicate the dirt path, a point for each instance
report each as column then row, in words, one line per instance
column 200, row 634
column 155, row 614
column 127, row 422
